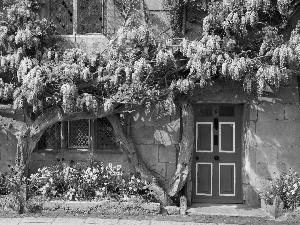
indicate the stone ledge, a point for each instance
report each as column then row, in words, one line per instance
column 153, row 208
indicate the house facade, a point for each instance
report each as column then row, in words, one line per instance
column 241, row 141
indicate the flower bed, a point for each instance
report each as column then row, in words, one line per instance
column 83, row 187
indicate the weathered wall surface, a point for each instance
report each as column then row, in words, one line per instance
column 156, row 142
column 8, row 145
column 271, row 137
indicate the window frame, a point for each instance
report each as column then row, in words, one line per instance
column 64, row 141
column 46, row 12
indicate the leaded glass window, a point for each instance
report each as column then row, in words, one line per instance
column 90, row 16
column 78, row 17
column 105, row 136
column 79, row 134
column 61, row 12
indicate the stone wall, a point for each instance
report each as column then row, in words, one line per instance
column 156, row 142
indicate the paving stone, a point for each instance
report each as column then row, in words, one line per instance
column 10, row 221
column 135, row 222
column 22, row 223
column 193, row 223
column 156, row 222
column 37, row 220
column 69, row 221
column 102, row 221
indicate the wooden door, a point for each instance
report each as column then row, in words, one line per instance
column 216, row 170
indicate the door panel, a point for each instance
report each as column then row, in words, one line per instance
column 204, row 181
column 227, row 179
column 204, row 137
column 227, row 137
column 216, row 170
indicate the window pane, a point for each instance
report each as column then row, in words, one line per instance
column 78, row 135
column 204, row 111
column 105, row 136
column 61, row 12
column 51, row 139
column 90, row 16
column 226, row 111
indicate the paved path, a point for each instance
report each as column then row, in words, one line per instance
column 91, row 221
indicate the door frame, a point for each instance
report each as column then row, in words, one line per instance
column 245, row 118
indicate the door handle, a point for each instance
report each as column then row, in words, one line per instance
column 197, row 158
column 216, row 157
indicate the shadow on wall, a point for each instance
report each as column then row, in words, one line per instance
column 274, row 136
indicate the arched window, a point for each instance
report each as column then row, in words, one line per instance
column 96, row 135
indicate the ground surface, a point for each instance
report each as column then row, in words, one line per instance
column 60, row 217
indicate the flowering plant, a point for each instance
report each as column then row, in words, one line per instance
column 87, row 182
column 287, row 187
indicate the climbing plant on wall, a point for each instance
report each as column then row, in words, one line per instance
column 138, row 68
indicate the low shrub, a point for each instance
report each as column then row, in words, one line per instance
column 87, row 182
column 287, row 187
column 4, row 184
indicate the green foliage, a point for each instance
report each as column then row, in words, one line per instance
column 83, row 182
column 287, row 187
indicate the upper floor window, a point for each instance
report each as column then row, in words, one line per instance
column 96, row 135
column 78, row 16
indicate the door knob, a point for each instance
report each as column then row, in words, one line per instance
column 216, row 157
column 197, row 158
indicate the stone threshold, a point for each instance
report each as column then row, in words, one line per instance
column 225, row 210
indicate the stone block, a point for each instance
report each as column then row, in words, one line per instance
column 4, row 165
column 278, row 133
column 270, row 111
column 288, row 95
column 171, row 169
column 172, row 210
column 151, row 207
column 148, row 153
column 168, row 134
column 92, row 43
column 266, row 154
column 167, row 153
column 292, row 112
column 272, row 170
column 251, row 196
column 142, row 135
column 53, row 204
column 8, row 151
column 289, row 155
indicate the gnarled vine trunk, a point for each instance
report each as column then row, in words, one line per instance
column 185, row 152
column 128, row 149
